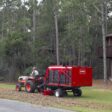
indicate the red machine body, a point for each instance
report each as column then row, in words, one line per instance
column 68, row 76
column 81, row 76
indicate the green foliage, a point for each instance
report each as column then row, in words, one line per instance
column 27, row 71
column 79, row 24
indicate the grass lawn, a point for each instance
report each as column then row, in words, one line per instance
column 7, row 86
column 93, row 99
column 97, row 95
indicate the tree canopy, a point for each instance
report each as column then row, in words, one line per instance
column 28, row 37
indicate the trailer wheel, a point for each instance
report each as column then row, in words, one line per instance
column 58, row 93
column 30, row 87
column 18, row 87
column 77, row 92
column 65, row 93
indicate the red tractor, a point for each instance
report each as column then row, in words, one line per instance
column 30, row 83
column 58, row 80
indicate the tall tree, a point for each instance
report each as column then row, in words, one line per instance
column 55, row 10
column 104, row 22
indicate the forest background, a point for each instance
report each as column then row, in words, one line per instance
column 28, row 35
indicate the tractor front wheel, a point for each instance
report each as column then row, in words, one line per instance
column 18, row 87
column 30, row 87
column 77, row 92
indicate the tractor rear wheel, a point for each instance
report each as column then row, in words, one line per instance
column 18, row 87
column 30, row 87
column 77, row 92
column 58, row 93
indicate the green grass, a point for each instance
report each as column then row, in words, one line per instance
column 97, row 95
column 7, row 86
column 82, row 109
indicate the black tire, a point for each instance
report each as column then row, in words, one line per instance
column 77, row 92
column 18, row 87
column 65, row 93
column 58, row 93
column 30, row 87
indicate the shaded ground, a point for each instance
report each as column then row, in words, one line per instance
column 90, row 100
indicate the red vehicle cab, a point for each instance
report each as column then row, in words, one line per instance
column 62, row 78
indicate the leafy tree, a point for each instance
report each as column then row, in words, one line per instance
column 28, row 34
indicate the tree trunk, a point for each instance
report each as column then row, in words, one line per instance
column 104, row 17
column 111, row 68
column 3, row 25
column 34, row 20
column 57, row 37
column 79, row 53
